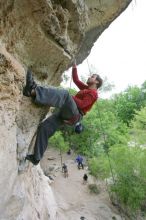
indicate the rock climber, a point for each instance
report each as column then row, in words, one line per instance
column 71, row 108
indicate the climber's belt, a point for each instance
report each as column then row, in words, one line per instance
column 73, row 120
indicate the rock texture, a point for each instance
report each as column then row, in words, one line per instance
column 43, row 34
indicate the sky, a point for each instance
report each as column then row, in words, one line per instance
column 120, row 52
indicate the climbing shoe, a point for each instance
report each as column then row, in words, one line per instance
column 30, row 84
column 31, row 158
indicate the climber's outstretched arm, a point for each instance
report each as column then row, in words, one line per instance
column 76, row 80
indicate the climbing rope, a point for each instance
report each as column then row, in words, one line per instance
column 103, row 134
column 107, row 153
column 106, row 147
column 88, row 67
column 70, row 82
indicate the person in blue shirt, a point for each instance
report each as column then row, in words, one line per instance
column 79, row 160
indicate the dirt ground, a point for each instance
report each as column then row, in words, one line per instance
column 74, row 199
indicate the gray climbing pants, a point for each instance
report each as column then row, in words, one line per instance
column 59, row 98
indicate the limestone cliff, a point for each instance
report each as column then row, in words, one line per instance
column 43, row 34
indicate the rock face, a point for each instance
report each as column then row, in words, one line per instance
column 45, row 35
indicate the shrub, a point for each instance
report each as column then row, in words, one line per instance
column 129, row 169
column 57, row 140
column 99, row 167
column 93, row 188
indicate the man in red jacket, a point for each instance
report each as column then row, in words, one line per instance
column 71, row 108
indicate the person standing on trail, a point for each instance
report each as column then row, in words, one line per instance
column 65, row 170
column 79, row 160
column 71, row 108
column 85, row 178
column 69, row 152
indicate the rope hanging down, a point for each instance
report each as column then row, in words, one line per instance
column 106, row 151
column 103, row 134
column 106, row 147
column 61, row 157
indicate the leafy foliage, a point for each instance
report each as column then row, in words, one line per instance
column 127, row 102
column 58, row 141
column 128, row 166
column 138, row 129
column 99, row 166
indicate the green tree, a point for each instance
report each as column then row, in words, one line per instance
column 128, row 167
column 57, row 141
column 127, row 102
column 138, row 130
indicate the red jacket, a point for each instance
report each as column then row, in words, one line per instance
column 86, row 97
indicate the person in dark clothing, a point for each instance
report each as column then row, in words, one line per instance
column 65, row 170
column 71, row 108
column 82, row 218
column 85, row 178
column 69, row 152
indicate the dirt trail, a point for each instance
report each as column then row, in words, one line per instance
column 73, row 197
